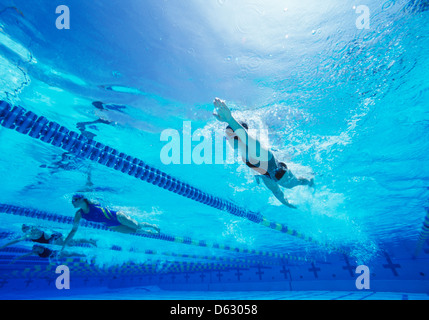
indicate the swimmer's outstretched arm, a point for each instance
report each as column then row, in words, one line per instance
column 21, row 257
column 281, row 197
column 14, row 241
column 76, row 221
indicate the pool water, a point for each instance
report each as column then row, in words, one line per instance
column 337, row 91
column 146, row 293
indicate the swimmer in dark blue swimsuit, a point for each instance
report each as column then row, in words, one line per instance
column 115, row 220
column 272, row 172
column 37, row 235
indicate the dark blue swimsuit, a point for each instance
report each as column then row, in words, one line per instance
column 101, row 215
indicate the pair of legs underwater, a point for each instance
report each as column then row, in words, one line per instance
column 130, row 225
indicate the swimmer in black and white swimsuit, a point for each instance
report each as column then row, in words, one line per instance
column 272, row 172
column 37, row 235
column 47, row 253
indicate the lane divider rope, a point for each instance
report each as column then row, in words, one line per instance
column 41, row 215
column 28, row 123
column 240, row 261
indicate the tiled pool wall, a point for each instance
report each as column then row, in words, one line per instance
column 395, row 271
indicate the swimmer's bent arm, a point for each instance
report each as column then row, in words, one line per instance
column 281, row 197
column 76, row 221
column 277, row 192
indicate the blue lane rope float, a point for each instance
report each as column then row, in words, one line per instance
column 224, row 260
column 28, row 123
column 424, row 234
column 41, row 215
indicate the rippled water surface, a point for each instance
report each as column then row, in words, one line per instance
column 347, row 105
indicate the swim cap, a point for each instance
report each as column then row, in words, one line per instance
column 77, row 196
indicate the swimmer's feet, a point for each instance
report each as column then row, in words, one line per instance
column 157, row 230
column 149, row 232
column 143, row 226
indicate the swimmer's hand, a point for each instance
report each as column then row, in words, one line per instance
column 288, row 204
column 222, row 112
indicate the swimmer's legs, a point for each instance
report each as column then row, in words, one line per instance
column 132, row 224
column 123, row 229
column 128, row 230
